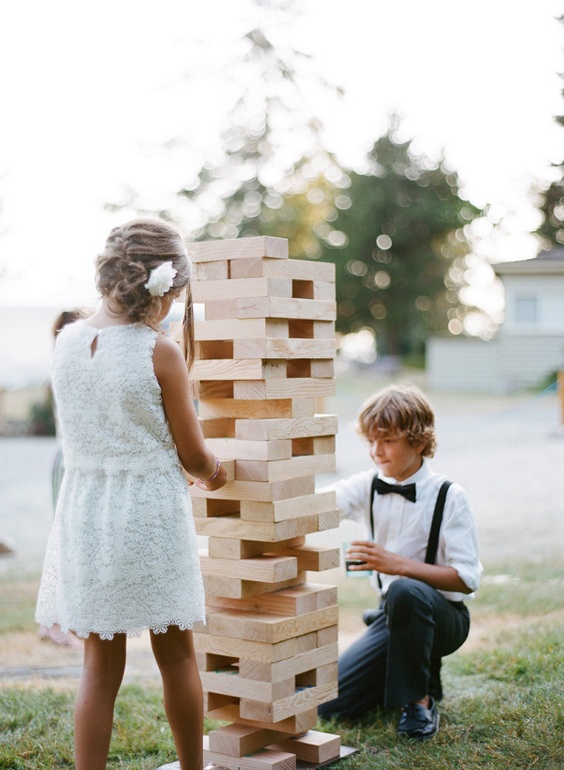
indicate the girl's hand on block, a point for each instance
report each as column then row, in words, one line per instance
column 216, row 481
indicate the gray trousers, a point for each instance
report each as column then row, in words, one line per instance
column 398, row 658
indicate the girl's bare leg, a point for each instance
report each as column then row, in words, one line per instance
column 104, row 664
column 183, row 699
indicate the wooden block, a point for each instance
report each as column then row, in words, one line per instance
column 327, row 635
column 252, row 409
column 207, row 390
column 212, row 349
column 229, row 682
column 263, row 430
column 218, row 427
column 302, row 700
column 283, row 307
column 259, row 490
column 319, row 657
column 229, row 646
column 264, row 627
column 212, row 271
column 293, row 268
column 245, row 409
column 293, row 387
column 240, row 328
column 266, row 759
column 294, row 725
column 233, row 588
column 229, row 548
column 323, row 290
column 237, row 449
column 278, row 470
column 239, row 248
column 320, row 368
column 303, row 598
column 227, row 369
column 283, row 348
column 243, row 288
column 314, row 746
column 292, row 508
column 237, row 740
column 328, row 520
column 314, row 558
column 232, row 526
column 262, row 569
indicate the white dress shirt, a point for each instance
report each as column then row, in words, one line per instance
column 403, row 527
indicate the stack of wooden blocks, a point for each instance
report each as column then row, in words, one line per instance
column 268, row 654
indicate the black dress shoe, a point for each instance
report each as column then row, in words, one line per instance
column 369, row 616
column 419, row 722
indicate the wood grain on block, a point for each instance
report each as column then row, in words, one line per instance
column 294, row 725
column 261, row 347
column 229, row 646
column 264, row 759
column 237, row 740
column 244, row 328
column 230, row 526
column 291, row 508
column 239, row 248
column 238, row 449
column 283, row 307
column 328, row 520
column 264, row 627
column 299, row 664
column 243, row 288
column 262, row 569
column 314, row 746
column 212, row 271
column 314, row 558
column 228, row 369
column 278, row 470
column 264, row 409
column 233, row 588
column 298, row 600
column 229, row 682
column 263, row 430
column 291, row 387
column 259, row 490
column 302, row 700
column 298, row 269
column 229, row 548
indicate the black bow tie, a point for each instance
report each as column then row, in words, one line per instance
column 405, row 490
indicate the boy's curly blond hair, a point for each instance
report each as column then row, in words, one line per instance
column 402, row 410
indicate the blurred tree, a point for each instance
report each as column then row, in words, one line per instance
column 551, row 231
column 272, row 175
column 399, row 242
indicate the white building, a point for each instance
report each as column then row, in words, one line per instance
column 529, row 345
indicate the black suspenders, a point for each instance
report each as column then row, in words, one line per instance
column 433, row 542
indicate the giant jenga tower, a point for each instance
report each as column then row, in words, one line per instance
column 268, row 654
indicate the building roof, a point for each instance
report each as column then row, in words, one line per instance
column 545, row 263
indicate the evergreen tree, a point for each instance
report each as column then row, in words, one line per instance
column 551, row 231
column 399, row 244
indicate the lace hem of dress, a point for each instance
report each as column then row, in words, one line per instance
column 157, row 628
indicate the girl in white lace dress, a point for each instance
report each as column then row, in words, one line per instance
column 122, row 553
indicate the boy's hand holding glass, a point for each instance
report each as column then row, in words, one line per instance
column 355, row 564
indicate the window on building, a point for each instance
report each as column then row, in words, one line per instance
column 526, row 310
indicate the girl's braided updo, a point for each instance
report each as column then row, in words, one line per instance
column 131, row 252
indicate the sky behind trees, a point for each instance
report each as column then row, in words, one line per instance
column 90, row 95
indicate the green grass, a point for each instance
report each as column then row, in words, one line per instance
column 504, row 704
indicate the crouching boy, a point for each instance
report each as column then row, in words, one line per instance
column 423, row 572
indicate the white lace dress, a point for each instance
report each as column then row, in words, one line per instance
column 122, row 554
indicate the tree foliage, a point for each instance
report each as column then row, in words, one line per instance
column 551, row 231
column 399, row 243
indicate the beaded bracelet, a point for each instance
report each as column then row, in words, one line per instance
column 217, row 465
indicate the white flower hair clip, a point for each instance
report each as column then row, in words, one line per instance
column 161, row 279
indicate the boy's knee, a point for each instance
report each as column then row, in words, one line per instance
column 401, row 598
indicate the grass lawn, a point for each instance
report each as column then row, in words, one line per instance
column 504, row 703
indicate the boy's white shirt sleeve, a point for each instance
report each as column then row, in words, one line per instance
column 458, row 540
